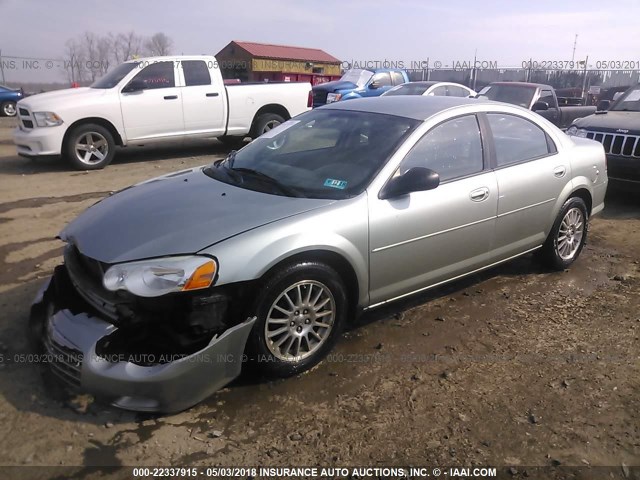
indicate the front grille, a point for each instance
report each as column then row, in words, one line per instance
column 319, row 97
column 25, row 118
column 86, row 275
column 65, row 362
column 617, row 144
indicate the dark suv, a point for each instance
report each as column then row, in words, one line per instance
column 618, row 129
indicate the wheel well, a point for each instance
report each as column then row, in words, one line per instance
column 271, row 108
column 584, row 194
column 336, row 261
column 98, row 121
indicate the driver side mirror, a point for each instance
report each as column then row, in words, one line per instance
column 374, row 85
column 416, row 179
column 135, row 85
column 603, row 105
column 540, row 106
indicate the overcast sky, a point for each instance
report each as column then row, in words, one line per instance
column 505, row 31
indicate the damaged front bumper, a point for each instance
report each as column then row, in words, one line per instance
column 71, row 341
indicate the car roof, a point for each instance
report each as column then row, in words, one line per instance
column 410, row 106
column 521, row 84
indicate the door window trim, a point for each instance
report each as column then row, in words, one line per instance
column 484, row 119
column 485, row 161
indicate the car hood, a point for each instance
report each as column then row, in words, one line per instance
column 612, row 121
column 51, row 100
column 180, row 213
column 335, row 86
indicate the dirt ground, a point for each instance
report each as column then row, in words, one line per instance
column 515, row 367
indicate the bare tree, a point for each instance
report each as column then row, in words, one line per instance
column 159, row 44
column 90, row 45
column 103, row 51
column 126, row 46
column 73, row 61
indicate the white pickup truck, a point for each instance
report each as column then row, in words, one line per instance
column 150, row 100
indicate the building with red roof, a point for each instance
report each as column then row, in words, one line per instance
column 261, row 62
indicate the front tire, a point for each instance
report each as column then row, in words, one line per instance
column 264, row 123
column 567, row 236
column 8, row 109
column 89, row 147
column 301, row 310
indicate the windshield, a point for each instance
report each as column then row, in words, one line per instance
column 357, row 76
column 629, row 102
column 517, row 95
column 408, row 89
column 330, row 154
column 114, row 77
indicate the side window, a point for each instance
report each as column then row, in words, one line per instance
column 547, row 97
column 452, row 149
column 439, row 91
column 397, row 78
column 158, row 75
column 516, row 139
column 196, row 73
column 383, row 79
column 455, row 91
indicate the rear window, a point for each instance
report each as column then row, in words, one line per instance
column 516, row 95
column 196, row 73
column 408, row 89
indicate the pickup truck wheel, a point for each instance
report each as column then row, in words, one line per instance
column 90, row 147
column 567, row 236
column 301, row 310
column 9, row 109
column 264, row 123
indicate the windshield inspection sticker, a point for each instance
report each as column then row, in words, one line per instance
column 330, row 182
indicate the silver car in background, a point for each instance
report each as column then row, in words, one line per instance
column 170, row 285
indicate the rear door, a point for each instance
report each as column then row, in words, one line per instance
column 203, row 101
column 155, row 111
column 531, row 175
column 423, row 238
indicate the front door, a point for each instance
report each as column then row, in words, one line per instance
column 423, row 238
column 155, row 111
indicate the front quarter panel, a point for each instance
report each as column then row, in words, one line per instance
column 341, row 227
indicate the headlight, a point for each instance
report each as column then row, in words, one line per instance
column 152, row 278
column 333, row 97
column 574, row 131
column 47, row 119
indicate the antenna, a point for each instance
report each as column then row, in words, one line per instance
column 575, row 42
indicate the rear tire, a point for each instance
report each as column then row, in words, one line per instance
column 567, row 236
column 89, row 147
column 264, row 123
column 8, row 109
column 293, row 334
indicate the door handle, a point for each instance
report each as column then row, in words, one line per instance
column 171, row 97
column 560, row 171
column 214, row 94
column 479, row 194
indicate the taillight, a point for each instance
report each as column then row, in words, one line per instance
column 310, row 99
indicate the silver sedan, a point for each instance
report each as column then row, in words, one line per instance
column 170, row 286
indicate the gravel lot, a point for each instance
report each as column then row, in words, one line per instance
column 516, row 367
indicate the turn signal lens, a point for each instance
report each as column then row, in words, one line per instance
column 202, row 277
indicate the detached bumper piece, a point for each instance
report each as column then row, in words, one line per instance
column 76, row 342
